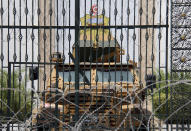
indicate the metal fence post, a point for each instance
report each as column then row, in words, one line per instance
column 77, row 25
column 9, row 94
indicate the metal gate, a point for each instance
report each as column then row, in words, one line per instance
column 94, row 65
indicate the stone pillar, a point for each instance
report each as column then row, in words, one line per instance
column 148, row 52
column 147, row 40
column 47, row 38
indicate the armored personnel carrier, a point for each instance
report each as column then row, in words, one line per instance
column 110, row 96
column 112, row 93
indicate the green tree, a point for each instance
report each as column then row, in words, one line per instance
column 19, row 95
column 174, row 99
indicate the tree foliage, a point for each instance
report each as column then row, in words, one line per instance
column 173, row 102
column 18, row 95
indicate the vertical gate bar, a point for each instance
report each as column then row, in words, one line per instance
column 14, row 21
column 91, row 50
column 57, row 33
column 109, row 50
column 32, row 35
column 102, row 55
column 63, row 13
column 9, row 67
column 44, row 51
column 50, row 52
column 134, row 35
column 159, row 56
column 121, row 76
column 188, row 124
column 25, row 86
column 96, row 51
column 44, row 40
column 32, row 97
column 56, row 104
column 140, row 44
column 20, row 38
column 77, row 24
column 146, row 38
column 170, row 21
column 20, row 49
column 127, row 56
column 152, row 57
column 85, row 36
column 134, row 42
column 14, row 55
column 57, row 42
column 8, row 35
column 115, row 55
column 1, row 55
column 84, row 52
column 14, row 45
column 38, row 55
column 69, row 39
column 26, row 52
column 91, row 55
column 166, row 63
column 9, row 95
